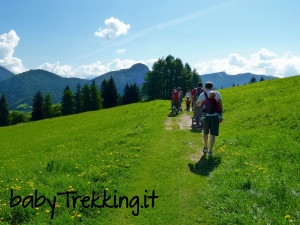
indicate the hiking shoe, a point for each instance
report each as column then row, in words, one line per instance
column 204, row 150
column 210, row 154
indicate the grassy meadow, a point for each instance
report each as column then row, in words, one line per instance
column 253, row 177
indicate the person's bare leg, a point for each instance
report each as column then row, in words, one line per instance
column 205, row 140
column 211, row 142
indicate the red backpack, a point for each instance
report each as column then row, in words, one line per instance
column 210, row 105
column 175, row 95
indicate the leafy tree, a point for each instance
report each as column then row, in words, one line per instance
column 252, row 80
column 17, row 117
column 262, row 79
column 67, row 102
column 119, row 100
column 96, row 101
column 4, row 113
column 56, row 110
column 86, row 98
column 233, row 85
column 37, row 108
column 47, row 106
column 78, row 100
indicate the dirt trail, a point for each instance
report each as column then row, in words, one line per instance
column 185, row 122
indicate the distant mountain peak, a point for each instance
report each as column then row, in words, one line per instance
column 5, row 73
column 138, row 66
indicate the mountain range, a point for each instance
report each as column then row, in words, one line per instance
column 223, row 80
column 4, row 73
column 19, row 89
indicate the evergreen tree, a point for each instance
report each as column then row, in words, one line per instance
column 126, row 95
column 86, row 98
column 262, row 79
column 167, row 74
column 47, row 106
column 233, row 85
column 67, row 102
column 136, row 97
column 37, row 108
column 113, row 94
column 96, row 101
column 4, row 113
column 109, row 93
column 253, row 80
column 195, row 79
column 78, row 100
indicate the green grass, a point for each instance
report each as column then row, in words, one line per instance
column 253, row 177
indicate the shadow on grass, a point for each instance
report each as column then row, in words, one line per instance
column 205, row 165
column 195, row 130
column 172, row 114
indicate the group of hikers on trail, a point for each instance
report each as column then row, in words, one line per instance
column 208, row 111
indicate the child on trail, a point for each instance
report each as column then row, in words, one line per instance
column 210, row 104
column 188, row 102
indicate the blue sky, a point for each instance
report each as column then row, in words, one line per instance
column 89, row 38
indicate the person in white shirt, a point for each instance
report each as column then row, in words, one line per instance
column 211, row 121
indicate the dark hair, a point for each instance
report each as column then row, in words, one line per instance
column 208, row 85
column 199, row 84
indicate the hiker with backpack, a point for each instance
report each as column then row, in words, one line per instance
column 197, row 109
column 176, row 98
column 211, row 103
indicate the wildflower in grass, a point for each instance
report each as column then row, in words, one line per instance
column 236, row 171
column 264, row 172
column 78, row 216
column 89, row 182
column 260, row 168
column 251, row 165
column 106, row 189
column 47, row 211
column 247, row 174
column 37, row 208
column 287, row 216
column 98, row 212
column 246, row 163
column 253, row 171
column 4, row 204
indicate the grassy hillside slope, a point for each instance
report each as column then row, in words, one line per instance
column 252, row 178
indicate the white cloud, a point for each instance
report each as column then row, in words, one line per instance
column 261, row 62
column 62, row 70
column 95, row 69
column 90, row 71
column 8, row 42
column 121, row 50
column 114, row 29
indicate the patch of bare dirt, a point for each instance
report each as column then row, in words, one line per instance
column 168, row 124
column 184, row 122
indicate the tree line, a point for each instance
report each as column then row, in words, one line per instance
column 87, row 98
column 166, row 74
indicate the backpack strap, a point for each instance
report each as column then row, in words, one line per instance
column 206, row 96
